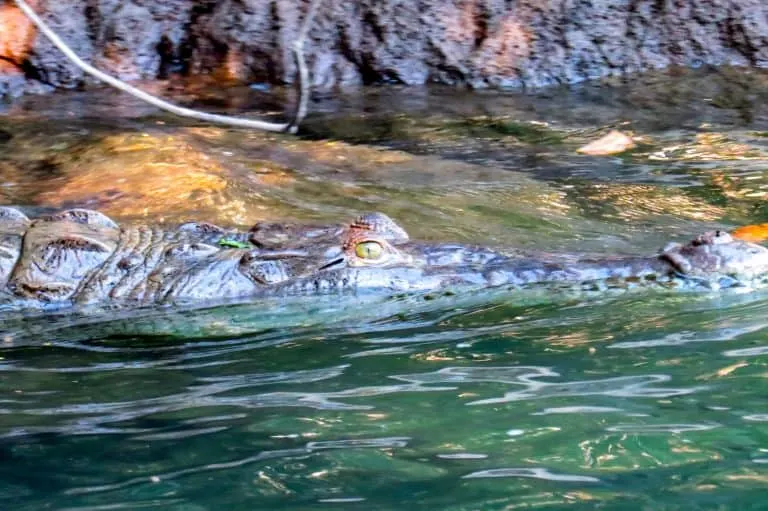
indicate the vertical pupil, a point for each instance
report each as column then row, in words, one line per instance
column 368, row 250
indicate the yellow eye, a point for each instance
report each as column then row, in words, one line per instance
column 369, row 250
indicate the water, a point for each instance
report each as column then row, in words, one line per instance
column 647, row 400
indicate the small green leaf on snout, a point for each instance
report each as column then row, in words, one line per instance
column 233, row 244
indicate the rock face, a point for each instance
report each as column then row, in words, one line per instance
column 475, row 42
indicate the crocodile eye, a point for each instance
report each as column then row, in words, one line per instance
column 369, row 250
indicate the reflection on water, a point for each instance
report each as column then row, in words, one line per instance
column 490, row 401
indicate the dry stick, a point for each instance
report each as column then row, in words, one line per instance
column 298, row 53
column 301, row 65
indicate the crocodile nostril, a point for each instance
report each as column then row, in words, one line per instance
column 266, row 272
column 250, row 257
column 130, row 261
column 190, row 250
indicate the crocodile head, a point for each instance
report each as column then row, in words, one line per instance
column 371, row 253
column 375, row 254
column 285, row 253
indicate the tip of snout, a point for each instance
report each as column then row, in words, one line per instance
column 715, row 254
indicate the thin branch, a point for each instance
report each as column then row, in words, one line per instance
column 298, row 52
column 301, row 67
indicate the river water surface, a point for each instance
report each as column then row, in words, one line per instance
column 647, row 400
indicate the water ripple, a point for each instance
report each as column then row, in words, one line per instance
column 213, row 383
column 756, row 417
column 661, row 428
column 578, row 410
column 747, row 352
column 341, row 500
column 177, row 435
column 622, row 386
column 91, row 418
column 534, row 473
column 681, row 338
column 462, row 456
column 309, row 448
column 512, row 374
column 139, row 504
column 354, row 443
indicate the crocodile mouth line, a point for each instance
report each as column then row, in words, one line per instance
column 336, row 262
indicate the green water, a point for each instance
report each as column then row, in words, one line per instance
column 624, row 402
column 647, row 400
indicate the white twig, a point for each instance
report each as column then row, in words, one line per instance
column 298, row 46
column 301, row 66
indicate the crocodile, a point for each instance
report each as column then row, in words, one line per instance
column 81, row 257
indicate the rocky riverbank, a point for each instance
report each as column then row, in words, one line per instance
column 475, row 42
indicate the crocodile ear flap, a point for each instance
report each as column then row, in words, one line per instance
column 672, row 254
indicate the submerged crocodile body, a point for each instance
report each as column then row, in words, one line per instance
column 81, row 257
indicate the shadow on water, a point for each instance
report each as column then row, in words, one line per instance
column 482, row 401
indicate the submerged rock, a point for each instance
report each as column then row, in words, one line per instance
column 614, row 142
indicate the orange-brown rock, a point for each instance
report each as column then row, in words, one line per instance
column 17, row 35
column 135, row 176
